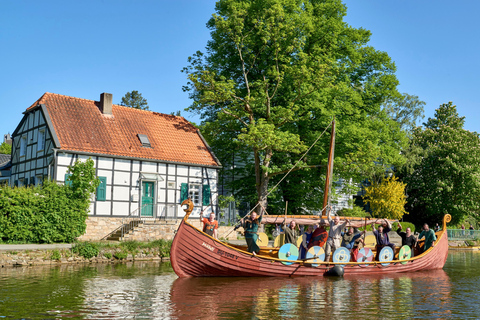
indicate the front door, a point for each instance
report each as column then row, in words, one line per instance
column 148, row 195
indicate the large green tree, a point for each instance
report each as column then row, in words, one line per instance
column 135, row 100
column 443, row 171
column 274, row 75
column 5, row 148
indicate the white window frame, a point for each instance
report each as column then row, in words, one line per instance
column 23, row 146
column 41, row 140
column 195, row 193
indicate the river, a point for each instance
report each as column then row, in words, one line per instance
column 150, row 290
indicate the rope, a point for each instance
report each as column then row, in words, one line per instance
column 275, row 186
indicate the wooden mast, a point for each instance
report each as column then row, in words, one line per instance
column 328, row 182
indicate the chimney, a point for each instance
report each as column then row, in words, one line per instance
column 106, row 103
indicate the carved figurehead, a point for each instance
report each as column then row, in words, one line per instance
column 189, row 208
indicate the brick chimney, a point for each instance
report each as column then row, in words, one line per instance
column 106, row 103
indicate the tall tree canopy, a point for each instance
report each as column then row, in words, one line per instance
column 442, row 174
column 274, row 75
column 135, row 100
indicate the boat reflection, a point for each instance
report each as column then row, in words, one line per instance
column 397, row 295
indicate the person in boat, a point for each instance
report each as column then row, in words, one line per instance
column 210, row 225
column 250, row 225
column 437, row 227
column 381, row 235
column 334, row 235
column 319, row 236
column 349, row 238
column 408, row 239
column 358, row 244
column 290, row 232
column 430, row 237
column 307, row 236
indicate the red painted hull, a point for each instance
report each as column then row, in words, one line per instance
column 195, row 254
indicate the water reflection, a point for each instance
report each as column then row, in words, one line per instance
column 152, row 291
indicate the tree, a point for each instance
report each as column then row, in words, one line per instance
column 275, row 74
column 442, row 175
column 386, row 199
column 405, row 110
column 135, row 100
column 5, row 148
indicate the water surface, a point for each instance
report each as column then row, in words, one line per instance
column 150, row 290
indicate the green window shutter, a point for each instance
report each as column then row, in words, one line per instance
column 102, row 189
column 183, row 192
column 68, row 182
column 206, row 193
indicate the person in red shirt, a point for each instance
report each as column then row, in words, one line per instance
column 210, row 225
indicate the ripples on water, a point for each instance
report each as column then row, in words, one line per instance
column 149, row 290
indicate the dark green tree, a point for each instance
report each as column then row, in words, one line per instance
column 135, row 100
column 274, row 75
column 443, row 169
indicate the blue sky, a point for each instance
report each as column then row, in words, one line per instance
column 83, row 48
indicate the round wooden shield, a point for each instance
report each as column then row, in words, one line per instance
column 315, row 252
column 288, row 252
column 342, row 254
column 279, row 241
column 386, row 254
column 300, row 240
column 405, row 253
column 365, row 255
column 262, row 240
column 370, row 241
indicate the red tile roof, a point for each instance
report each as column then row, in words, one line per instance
column 80, row 126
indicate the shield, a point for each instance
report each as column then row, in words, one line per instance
column 262, row 240
column 279, row 241
column 405, row 253
column 342, row 254
column 317, row 253
column 364, row 255
column 386, row 254
column 288, row 252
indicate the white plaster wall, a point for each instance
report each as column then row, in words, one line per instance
column 182, row 170
column 149, row 167
column 171, row 169
column 122, row 164
column 162, row 168
column 64, row 159
column 121, row 193
column 122, row 178
column 103, row 208
column 120, row 209
column 196, row 172
column 105, row 163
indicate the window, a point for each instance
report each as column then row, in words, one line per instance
column 41, row 140
column 195, row 192
column 39, row 179
column 23, row 146
column 171, row 185
column 144, row 140
column 102, row 189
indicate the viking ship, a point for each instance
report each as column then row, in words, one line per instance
column 196, row 254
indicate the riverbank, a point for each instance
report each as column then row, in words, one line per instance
column 18, row 255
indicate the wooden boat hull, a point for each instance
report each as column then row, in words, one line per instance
column 195, row 254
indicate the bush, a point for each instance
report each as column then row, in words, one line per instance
column 108, row 255
column 87, row 250
column 55, row 255
column 120, row 255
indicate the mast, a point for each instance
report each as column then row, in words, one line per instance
column 328, row 180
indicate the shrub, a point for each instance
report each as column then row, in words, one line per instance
column 87, row 250
column 55, row 255
column 120, row 255
column 108, row 255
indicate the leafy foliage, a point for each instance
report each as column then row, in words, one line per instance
column 355, row 211
column 275, row 74
column 442, row 173
column 135, row 100
column 87, row 250
column 48, row 213
column 5, row 148
column 386, row 199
